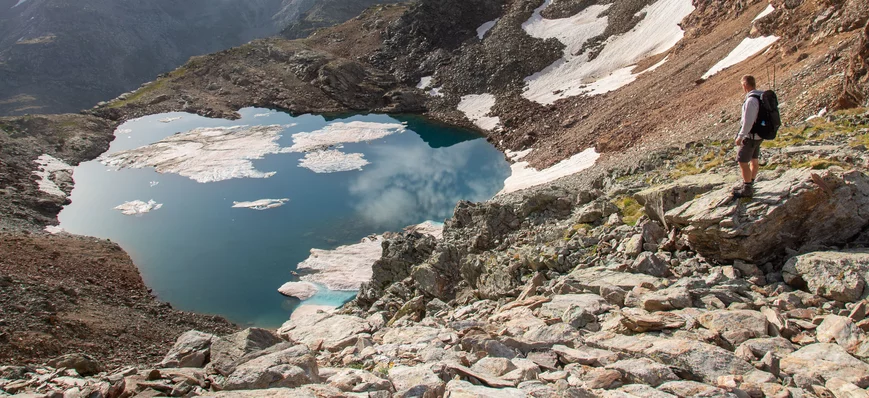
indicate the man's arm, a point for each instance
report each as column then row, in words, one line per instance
column 749, row 115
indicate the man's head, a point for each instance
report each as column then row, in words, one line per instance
column 748, row 83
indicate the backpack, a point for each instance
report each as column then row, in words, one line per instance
column 768, row 117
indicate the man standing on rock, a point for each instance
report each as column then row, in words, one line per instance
column 747, row 141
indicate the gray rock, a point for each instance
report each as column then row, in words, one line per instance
column 84, row 365
column 687, row 388
column 844, row 389
column 593, row 278
column 644, row 391
column 643, row 371
column 493, row 366
column 290, row 368
column 843, row 331
column 355, row 380
column 653, row 232
column 763, row 228
column 585, row 355
column 463, row 389
column 761, row 346
column 650, row 264
column 826, row 361
column 634, row 245
column 416, row 381
column 191, row 350
column 660, row 199
column 640, row 321
column 594, row 211
column 226, row 350
column 838, row 276
column 560, row 303
column 331, row 332
column 735, row 326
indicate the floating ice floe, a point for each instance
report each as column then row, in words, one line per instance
column 54, row 229
column 340, row 132
column 476, row 107
column 205, row 154
column 154, row 183
column 138, row 207
column 51, row 170
column 123, row 131
column 262, row 204
column 484, row 28
column 170, row 119
column 747, row 48
column 299, row 290
column 262, row 115
column 613, row 67
column 332, row 161
column 525, row 177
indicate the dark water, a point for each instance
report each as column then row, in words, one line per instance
column 203, row 255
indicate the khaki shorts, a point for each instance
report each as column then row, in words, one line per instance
column 749, row 150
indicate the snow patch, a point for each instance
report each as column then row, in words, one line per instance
column 206, row 154
column 612, row 69
column 746, row 49
column 435, row 92
column 170, row 119
column 524, row 176
column 50, row 168
column 20, row 2
column 299, row 290
column 262, row 204
column 344, row 269
column 138, row 207
column 339, row 133
column 768, row 10
column 476, row 107
column 429, row 227
column 332, row 161
column 484, row 28
column 518, row 155
column 54, row 229
column 424, row 83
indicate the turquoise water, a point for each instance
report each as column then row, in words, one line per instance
column 201, row 254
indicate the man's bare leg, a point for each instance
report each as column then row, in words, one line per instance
column 747, row 173
column 755, row 167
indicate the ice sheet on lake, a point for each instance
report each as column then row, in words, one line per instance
column 123, row 131
column 742, row 52
column 346, row 268
column 484, row 28
column 49, row 170
column 525, row 177
column 341, row 132
column 138, row 207
column 205, row 154
column 332, row 161
column 476, row 107
column 154, row 183
column 299, row 290
column 170, row 119
column 262, row 204
column 612, row 69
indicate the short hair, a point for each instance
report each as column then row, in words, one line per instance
column 749, row 80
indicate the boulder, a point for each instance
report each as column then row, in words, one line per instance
column 560, row 303
column 844, row 389
column 463, row 389
column 410, row 335
column 593, row 278
column 640, row 321
column 289, row 368
column 585, row 355
column 191, row 350
column 761, row 346
column 838, row 276
column 643, row 371
column 331, row 332
column 416, row 381
column 83, row 364
column 302, row 392
column 658, row 200
column 685, row 388
column 355, row 380
column 644, row 391
column 493, row 366
column 650, row 264
column 735, row 326
column 802, row 208
column 826, row 361
column 843, row 331
column 225, row 351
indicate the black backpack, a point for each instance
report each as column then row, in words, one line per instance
column 768, row 117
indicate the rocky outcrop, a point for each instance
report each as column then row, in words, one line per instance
column 801, row 209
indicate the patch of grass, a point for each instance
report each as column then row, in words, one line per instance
column 570, row 232
column 631, row 209
column 701, row 164
column 819, row 164
column 158, row 84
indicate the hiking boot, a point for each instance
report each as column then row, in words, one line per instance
column 746, row 191
column 738, row 186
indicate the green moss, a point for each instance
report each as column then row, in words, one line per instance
column 630, row 209
column 819, row 164
column 135, row 97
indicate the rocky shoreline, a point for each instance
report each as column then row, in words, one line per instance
column 646, row 283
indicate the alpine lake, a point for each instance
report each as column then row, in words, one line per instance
column 190, row 209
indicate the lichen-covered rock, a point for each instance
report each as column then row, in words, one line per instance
column 83, row 364
column 290, row 368
column 463, row 389
column 813, row 207
column 841, row 276
column 644, row 371
column 658, row 200
column 326, row 330
column 826, row 361
column 416, row 381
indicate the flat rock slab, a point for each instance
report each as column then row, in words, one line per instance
column 838, row 276
column 324, row 329
column 828, row 361
column 593, row 278
column 558, row 304
column 585, row 355
column 660, row 199
column 416, row 381
column 463, row 389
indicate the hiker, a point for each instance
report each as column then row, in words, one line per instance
column 747, row 140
